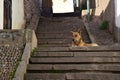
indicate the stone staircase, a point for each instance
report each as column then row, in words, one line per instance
column 55, row 59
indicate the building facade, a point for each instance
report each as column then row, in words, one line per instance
column 117, row 19
column 109, row 10
column 12, row 14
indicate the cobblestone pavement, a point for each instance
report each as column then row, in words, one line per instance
column 9, row 59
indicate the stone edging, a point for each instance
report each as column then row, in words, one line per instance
column 86, row 24
column 34, row 22
column 30, row 44
column 89, row 33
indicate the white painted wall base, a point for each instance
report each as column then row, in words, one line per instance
column 18, row 14
column 117, row 13
column 1, row 14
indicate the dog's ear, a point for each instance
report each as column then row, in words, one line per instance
column 72, row 32
column 79, row 31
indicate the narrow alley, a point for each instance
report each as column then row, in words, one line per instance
column 59, row 40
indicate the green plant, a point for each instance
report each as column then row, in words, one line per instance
column 12, row 75
column 33, row 51
column 104, row 25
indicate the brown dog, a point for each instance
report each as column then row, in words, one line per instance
column 78, row 41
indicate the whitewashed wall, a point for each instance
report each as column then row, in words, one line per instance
column 18, row 20
column 61, row 6
column 1, row 14
column 117, row 13
column 117, row 20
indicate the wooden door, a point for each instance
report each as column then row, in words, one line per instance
column 7, row 14
column 46, row 3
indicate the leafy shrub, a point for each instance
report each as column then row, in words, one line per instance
column 104, row 25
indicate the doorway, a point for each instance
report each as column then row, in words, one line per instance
column 66, row 8
column 63, row 6
column 7, row 14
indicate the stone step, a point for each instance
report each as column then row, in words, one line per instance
column 53, row 54
column 54, row 45
column 72, row 76
column 74, row 60
column 92, row 76
column 90, row 48
column 76, row 54
column 45, row 32
column 54, row 34
column 56, row 26
column 50, row 44
column 52, row 48
column 73, row 67
column 54, row 41
column 44, row 76
column 54, row 37
column 54, row 30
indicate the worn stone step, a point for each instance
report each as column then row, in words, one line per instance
column 44, row 76
column 53, row 48
column 90, row 48
column 114, row 47
column 72, row 76
column 54, row 34
column 92, row 76
column 72, row 60
column 54, row 45
column 74, row 67
column 76, row 54
column 43, row 30
column 56, row 29
column 53, row 54
column 54, row 37
column 54, row 41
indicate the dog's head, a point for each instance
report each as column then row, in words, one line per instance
column 76, row 36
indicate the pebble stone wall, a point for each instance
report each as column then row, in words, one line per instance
column 32, row 10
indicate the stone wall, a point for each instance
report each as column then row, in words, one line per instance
column 32, row 12
column 105, row 11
